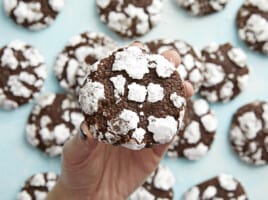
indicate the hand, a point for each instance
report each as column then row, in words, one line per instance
column 98, row 171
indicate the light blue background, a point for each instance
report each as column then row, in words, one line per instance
column 18, row 160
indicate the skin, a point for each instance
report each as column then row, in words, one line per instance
column 94, row 170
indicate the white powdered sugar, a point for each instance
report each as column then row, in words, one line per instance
column 119, row 85
column 196, row 152
column 210, row 123
column 155, row 92
column 177, row 100
column 137, row 92
column 163, row 129
column 237, row 56
column 133, row 61
column 260, row 4
column 192, row 194
column 141, row 193
column 227, row 182
column 214, row 74
column 164, row 179
column 90, row 95
column 192, row 133
column 126, row 121
column 209, row 192
column 56, row 5
column 200, row 107
column 250, row 124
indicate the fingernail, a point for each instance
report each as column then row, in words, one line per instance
column 83, row 135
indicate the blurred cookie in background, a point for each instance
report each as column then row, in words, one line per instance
column 54, row 119
column 197, row 134
column 38, row 186
column 249, row 133
column 130, row 18
column 22, row 76
column 226, row 72
column 222, row 186
column 252, row 24
column 202, row 7
column 33, row 14
column 158, row 186
column 78, row 55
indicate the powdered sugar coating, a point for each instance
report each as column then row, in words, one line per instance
column 225, row 72
column 34, row 15
column 23, row 73
column 126, row 108
column 252, row 24
column 54, row 119
column 223, row 186
column 130, row 18
column 191, row 67
column 248, row 133
column 202, row 7
column 197, row 134
column 38, row 186
column 158, row 186
column 76, row 59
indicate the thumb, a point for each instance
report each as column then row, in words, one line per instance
column 78, row 148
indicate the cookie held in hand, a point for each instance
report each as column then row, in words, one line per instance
column 133, row 99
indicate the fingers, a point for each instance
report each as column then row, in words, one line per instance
column 172, row 56
column 189, row 90
column 160, row 150
column 78, row 148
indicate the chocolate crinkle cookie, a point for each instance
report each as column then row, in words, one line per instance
column 225, row 72
column 158, row 186
column 33, row 14
column 197, row 134
column 38, row 186
column 220, row 187
column 81, row 51
column 203, row 7
column 130, row 18
column 191, row 67
column 22, row 76
column 249, row 133
column 133, row 99
column 55, row 118
column 252, row 24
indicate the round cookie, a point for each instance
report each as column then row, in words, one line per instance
column 202, row 7
column 22, row 76
column 133, row 99
column 130, row 18
column 197, row 135
column 55, row 118
column 225, row 72
column 33, row 14
column 252, row 24
column 191, row 67
column 158, row 186
column 220, row 187
column 81, row 51
column 38, row 186
column 249, row 133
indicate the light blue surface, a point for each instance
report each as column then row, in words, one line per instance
column 18, row 160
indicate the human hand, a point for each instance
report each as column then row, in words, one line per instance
column 94, row 170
